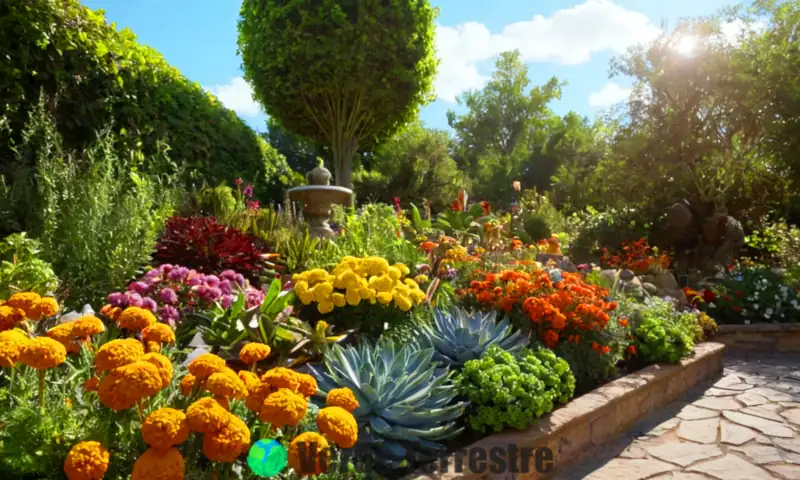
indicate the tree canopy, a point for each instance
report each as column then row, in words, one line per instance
column 348, row 73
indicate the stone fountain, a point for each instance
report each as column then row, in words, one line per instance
column 317, row 199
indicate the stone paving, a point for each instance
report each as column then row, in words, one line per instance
column 742, row 426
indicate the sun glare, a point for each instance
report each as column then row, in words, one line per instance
column 686, row 45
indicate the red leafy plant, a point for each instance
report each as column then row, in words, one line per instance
column 210, row 247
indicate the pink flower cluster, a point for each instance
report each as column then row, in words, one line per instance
column 172, row 292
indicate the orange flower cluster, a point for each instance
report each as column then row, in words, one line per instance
column 636, row 256
column 132, row 374
column 26, row 305
column 570, row 306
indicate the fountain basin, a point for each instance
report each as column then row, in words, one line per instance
column 317, row 201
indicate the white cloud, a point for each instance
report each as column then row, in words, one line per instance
column 569, row 37
column 610, row 94
column 238, row 96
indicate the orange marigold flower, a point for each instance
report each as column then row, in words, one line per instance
column 111, row 395
column 223, row 402
column 163, row 365
column 63, row 334
column 87, row 325
column 207, row 415
column 187, row 384
column 86, row 461
column 165, row 428
column 605, row 350
column 91, row 384
column 254, row 352
column 308, row 385
column 25, row 301
column 227, row 444
column 159, row 333
column 153, row 347
column 342, row 397
column 595, row 346
column 45, row 307
column 15, row 336
column 9, row 354
column 42, row 353
column 550, row 338
column 428, row 246
column 203, row 366
column 282, row 377
column 226, row 383
column 282, row 408
column 140, row 379
column 156, row 464
column 250, row 379
column 339, row 425
column 632, row 349
column 10, row 316
column 136, row 319
column 309, row 449
column 117, row 353
column 257, row 395
column 623, row 322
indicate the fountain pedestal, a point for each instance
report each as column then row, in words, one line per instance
column 317, row 199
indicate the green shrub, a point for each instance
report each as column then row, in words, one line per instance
column 95, row 76
column 96, row 218
column 21, row 269
column 536, row 227
column 661, row 334
column 508, row 391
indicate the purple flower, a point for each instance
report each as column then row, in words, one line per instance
column 178, row 274
column 133, row 299
column 225, row 287
column 583, row 267
column 239, row 279
column 226, row 301
column 149, row 304
column 228, row 275
column 254, row 297
column 211, row 280
column 170, row 314
column 193, row 279
column 116, row 299
column 153, row 276
column 139, row 287
column 248, row 190
column 168, row 295
column 210, row 294
column 166, row 268
column 450, row 274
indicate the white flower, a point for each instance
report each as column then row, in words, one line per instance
column 755, row 306
column 747, row 322
column 711, row 305
column 766, row 316
column 768, row 312
column 744, row 312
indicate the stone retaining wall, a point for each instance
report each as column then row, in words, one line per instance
column 592, row 419
column 782, row 337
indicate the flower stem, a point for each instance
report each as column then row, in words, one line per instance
column 11, row 380
column 41, row 389
column 139, row 408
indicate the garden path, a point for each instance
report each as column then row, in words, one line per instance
column 743, row 426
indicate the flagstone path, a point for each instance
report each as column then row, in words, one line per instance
column 742, row 426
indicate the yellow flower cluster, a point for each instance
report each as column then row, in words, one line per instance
column 369, row 279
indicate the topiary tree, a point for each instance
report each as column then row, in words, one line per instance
column 344, row 72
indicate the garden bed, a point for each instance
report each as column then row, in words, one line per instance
column 782, row 337
column 594, row 418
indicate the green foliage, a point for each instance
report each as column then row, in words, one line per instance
column 96, row 218
column 779, row 245
column 375, row 229
column 21, row 269
column 415, row 166
column 333, row 71
column 536, row 227
column 459, row 336
column 508, row 391
column 596, row 230
column 660, row 333
column 406, row 404
column 95, row 76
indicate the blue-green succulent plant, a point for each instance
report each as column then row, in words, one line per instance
column 458, row 336
column 407, row 403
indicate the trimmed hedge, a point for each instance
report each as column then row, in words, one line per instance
column 93, row 76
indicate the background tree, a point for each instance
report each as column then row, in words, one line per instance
column 301, row 154
column 346, row 73
column 414, row 165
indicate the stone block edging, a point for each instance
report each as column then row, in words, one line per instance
column 782, row 337
column 592, row 419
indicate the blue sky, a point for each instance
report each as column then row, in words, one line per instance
column 572, row 40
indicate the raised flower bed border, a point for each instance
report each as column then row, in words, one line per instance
column 781, row 337
column 595, row 418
